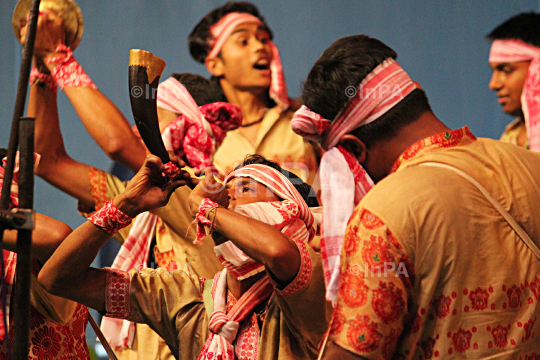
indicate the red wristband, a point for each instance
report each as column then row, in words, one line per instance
column 37, row 77
column 202, row 222
column 68, row 72
column 110, row 218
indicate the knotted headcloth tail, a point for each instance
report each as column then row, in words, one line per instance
column 198, row 132
column 221, row 32
column 225, row 326
column 516, row 50
column 343, row 180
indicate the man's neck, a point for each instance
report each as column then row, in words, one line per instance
column 389, row 151
column 239, row 287
column 253, row 103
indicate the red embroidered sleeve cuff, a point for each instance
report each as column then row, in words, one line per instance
column 303, row 277
column 117, row 300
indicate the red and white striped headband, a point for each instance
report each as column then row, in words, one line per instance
column 379, row 92
column 512, row 50
column 221, row 32
column 279, row 184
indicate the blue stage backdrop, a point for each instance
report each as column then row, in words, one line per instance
column 441, row 44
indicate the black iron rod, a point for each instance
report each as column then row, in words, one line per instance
column 24, row 241
column 20, row 102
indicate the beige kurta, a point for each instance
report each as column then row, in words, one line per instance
column 276, row 142
column 172, row 304
column 431, row 270
column 173, row 250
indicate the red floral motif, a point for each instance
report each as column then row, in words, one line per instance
column 303, row 278
column 499, row 336
column 338, row 320
column 528, row 328
column 435, row 142
column 462, row 340
column 441, row 305
column 363, row 335
column 117, row 302
column 356, row 211
column 46, row 343
column 427, row 346
column 376, row 253
column 447, row 139
column 78, row 327
column 479, row 299
column 287, row 209
column 388, row 302
column 247, row 343
column 370, row 220
column 411, row 152
column 514, row 296
column 414, row 149
column 351, row 241
column 36, row 319
column 535, row 287
column 98, row 182
column 353, row 289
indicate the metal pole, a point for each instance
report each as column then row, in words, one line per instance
column 24, row 240
column 20, row 101
column 5, row 197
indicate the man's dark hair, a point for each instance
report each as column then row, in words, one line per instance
column 304, row 189
column 524, row 27
column 204, row 91
column 200, row 37
column 346, row 63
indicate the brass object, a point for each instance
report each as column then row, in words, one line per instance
column 153, row 64
column 68, row 10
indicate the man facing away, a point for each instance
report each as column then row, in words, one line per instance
column 427, row 266
column 515, row 60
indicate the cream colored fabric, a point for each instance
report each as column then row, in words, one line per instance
column 292, row 327
column 473, row 288
column 173, row 249
column 276, row 142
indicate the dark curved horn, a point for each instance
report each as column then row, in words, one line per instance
column 144, row 72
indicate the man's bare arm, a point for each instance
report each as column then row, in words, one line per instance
column 107, row 126
column 68, row 273
column 46, row 237
column 55, row 166
column 101, row 118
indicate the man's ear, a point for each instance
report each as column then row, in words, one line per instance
column 356, row 146
column 214, row 66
